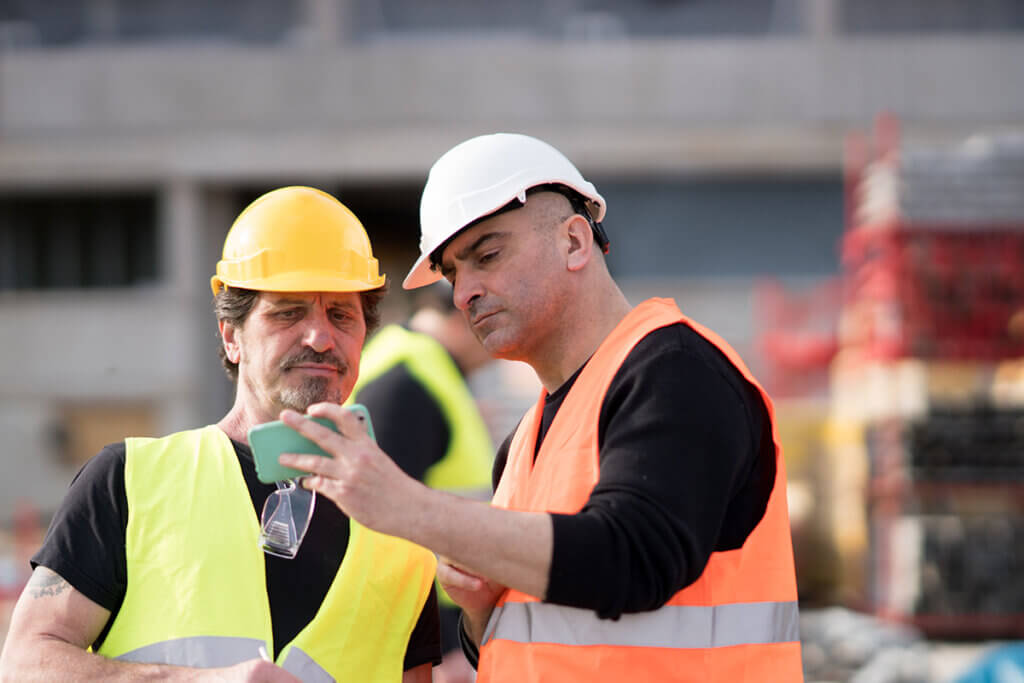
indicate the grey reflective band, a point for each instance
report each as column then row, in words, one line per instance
column 672, row 626
column 200, row 651
column 305, row 668
column 208, row 652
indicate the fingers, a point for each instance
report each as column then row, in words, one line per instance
column 453, row 577
column 350, row 422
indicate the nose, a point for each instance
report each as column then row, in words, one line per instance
column 466, row 290
column 318, row 332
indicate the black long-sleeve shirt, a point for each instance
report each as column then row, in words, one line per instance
column 686, row 468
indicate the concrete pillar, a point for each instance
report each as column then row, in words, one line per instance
column 220, row 208
column 101, row 20
column 326, row 23
column 822, row 19
column 185, row 276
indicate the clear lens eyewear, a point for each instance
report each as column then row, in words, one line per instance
column 285, row 519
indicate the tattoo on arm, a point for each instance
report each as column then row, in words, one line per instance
column 46, row 583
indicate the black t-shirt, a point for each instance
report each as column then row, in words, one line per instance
column 687, row 466
column 85, row 544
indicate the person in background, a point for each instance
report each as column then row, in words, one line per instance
column 412, row 380
column 153, row 566
column 639, row 528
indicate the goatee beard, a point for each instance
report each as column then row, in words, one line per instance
column 312, row 390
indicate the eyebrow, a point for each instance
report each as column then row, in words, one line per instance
column 464, row 253
column 298, row 301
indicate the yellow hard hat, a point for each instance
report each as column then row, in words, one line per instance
column 297, row 239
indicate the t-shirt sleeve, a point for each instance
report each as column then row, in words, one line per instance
column 407, row 422
column 679, row 444
column 85, row 541
column 425, row 641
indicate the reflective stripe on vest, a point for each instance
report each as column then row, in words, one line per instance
column 466, row 466
column 737, row 623
column 210, row 652
column 203, row 652
column 676, row 626
column 197, row 592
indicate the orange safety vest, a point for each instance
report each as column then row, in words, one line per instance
column 737, row 623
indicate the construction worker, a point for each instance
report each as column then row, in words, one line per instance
column 153, row 561
column 639, row 529
column 412, row 379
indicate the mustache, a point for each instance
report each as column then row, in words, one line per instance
column 320, row 358
column 474, row 310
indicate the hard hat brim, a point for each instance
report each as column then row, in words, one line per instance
column 304, row 282
column 421, row 274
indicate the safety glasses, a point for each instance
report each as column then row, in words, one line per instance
column 285, row 519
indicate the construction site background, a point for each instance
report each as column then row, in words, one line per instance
column 836, row 187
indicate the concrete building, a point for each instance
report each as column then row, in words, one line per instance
column 132, row 132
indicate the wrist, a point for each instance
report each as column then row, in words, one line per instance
column 475, row 622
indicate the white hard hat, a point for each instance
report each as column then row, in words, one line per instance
column 481, row 175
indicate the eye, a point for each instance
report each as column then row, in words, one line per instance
column 488, row 256
column 342, row 315
column 287, row 314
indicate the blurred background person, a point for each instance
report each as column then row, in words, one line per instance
column 412, row 380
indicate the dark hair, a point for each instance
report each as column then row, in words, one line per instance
column 233, row 305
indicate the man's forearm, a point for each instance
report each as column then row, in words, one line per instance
column 508, row 547
column 50, row 659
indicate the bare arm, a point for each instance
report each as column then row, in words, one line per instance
column 418, row 674
column 52, row 626
column 510, row 548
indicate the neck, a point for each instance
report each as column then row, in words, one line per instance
column 582, row 331
column 240, row 419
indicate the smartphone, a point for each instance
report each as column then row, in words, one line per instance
column 271, row 439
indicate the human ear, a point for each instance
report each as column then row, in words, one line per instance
column 580, row 241
column 229, row 337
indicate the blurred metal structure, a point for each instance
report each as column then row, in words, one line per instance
column 930, row 347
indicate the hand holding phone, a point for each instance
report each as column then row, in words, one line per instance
column 270, row 440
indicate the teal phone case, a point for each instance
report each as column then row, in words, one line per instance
column 271, row 439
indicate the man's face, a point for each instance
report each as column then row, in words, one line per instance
column 296, row 349
column 505, row 276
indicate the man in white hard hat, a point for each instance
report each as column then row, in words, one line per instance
column 638, row 530
column 154, row 567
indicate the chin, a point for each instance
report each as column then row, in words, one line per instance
column 505, row 349
column 312, row 391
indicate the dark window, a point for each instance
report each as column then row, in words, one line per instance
column 577, row 18
column 75, row 241
column 931, row 16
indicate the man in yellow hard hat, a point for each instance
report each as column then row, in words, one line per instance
column 154, row 560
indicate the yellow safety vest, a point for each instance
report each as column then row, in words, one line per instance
column 466, row 466
column 197, row 595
